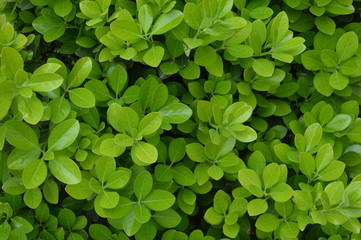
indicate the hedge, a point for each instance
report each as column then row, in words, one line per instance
column 180, row 120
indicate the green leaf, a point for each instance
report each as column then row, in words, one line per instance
column 175, row 113
column 11, row 62
column 49, row 24
column 110, row 148
column 238, row 112
column 21, row 136
column 63, row 7
column 141, row 214
column 149, row 124
column 338, row 81
column 145, row 17
column 31, row 108
column 13, row 186
column 51, row 191
column 307, row 164
column 251, row 181
column 263, row 67
column 270, row 175
column 321, row 83
column 66, row 218
column 329, row 58
column 65, row 170
column 33, row 197
column 100, row 232
column 126, row 30
column 335, row 192
column 82, row 97
column 303, row 200
column 215, row 172
column 168, row 218
column 153, row 56
column 324, row 157
column 60, row 109
column 144, row 152
column 118, row 78
column 21, row 224
column 193, row 15
column 325, row 24
column 183, row 175
column 159, row 200
column 80, row 72
column 80, row 190
column 90, row 9
column 240, row 51
column 104, row 166
column 256, row 207
column 44, row 81
column 177, row 150
column 267, row 222
column 282, row 192
column 166, row 22
column 212, row 217
column 118, row 179
column 123, row 140
column 332, row 172
column 339, row 123
column 63, row 135
column 143, row 184
column 311, row 60
column 313, row 135
column 7, row 93
column 108, row 199
column 5, row 230
column 347, row 46
column 34, row 174
column 125, row 119
column 205, row 56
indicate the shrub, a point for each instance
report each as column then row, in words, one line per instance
column 195, row 119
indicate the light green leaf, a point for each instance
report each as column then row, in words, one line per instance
column 108, row 199
column 325, row 24
column 263, row 67
column 313, row 135
column 63, row 7
column 251, row 181
column 332, row 172
column 144, row 152
column 183, row 175
column 11, row 62
column 176, row 113
column 80, row 190
column 168, row 218
column 153, row 56
column 149, row 124
column 321, row 83
column 31, row 108
column 268, row 222
column 104, row 166
column 339, row 123
column 33, row 197
column 238, row 112
column 109, row 148
column 44, row 81
column 143, row 184
column 65, row 169
column 141, row 214
column 126, row 30
column 166, row 22
column 177, row 150
column 118, row 179
column 270, row 175
column 63, row 135
column 338, row 81
column 82, row 97
column 256, row 207
column 159, row 200
column 118, row 78
column 282, row 192
column 21, row 136
column 34, row 174
column 60, row 109
column 347, row 46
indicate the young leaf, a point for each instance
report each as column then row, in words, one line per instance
column 82, row 97
column 34, row 174
column 144, row 152
column 20, row 135
column 65, row 170
column 159, row 200
column 347, row 46
column 166, row 22
column 63, row 135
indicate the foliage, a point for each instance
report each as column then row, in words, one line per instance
column 194, row 119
